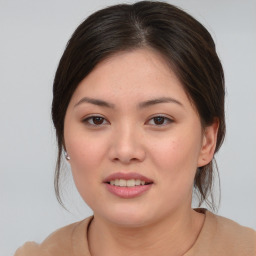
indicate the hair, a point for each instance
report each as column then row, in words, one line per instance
column 184, row 43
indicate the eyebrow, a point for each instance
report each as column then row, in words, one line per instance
column 143, row 104
column 97, row 102
column 158, row 101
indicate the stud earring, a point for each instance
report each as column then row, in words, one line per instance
column 66, row 156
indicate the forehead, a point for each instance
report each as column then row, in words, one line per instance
column 135, row 75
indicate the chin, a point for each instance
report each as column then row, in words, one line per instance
column 128, row 216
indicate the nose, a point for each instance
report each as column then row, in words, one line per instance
column 127, row 145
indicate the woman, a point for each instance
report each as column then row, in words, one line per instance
column 138, row 107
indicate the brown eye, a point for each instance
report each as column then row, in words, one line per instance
column 160, row 121
column 95, row 121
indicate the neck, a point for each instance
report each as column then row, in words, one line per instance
column 173, row 235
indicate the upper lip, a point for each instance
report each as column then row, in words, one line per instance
column 127, row 176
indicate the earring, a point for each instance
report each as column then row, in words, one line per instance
column 66, row 156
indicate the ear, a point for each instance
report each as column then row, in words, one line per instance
column 208, row 143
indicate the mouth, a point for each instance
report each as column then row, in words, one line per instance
column 121, row 179
column 127, row 185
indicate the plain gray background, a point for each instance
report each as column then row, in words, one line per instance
column 33, row 37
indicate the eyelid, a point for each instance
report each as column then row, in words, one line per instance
column 86, row 118
column 167, row 118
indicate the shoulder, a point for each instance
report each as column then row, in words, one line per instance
column 29, row 248
column 232, row 231
column 227, row 237
column 62, row 242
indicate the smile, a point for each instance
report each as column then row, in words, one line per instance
column 127, row 185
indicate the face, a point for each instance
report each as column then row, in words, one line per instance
column 135, row 140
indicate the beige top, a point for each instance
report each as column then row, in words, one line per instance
column 218, row 237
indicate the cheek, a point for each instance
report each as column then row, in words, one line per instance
column 176, row 166
column 86, row 165
column 176, row 158
column 177, row 152
column 86, row 153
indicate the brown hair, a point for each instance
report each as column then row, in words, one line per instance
column 177, row 36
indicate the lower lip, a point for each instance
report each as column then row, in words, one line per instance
column 128, row 192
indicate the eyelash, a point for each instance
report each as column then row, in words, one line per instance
column 166, row 120
column 93, row 118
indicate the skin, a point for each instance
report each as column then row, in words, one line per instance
column 128, row 139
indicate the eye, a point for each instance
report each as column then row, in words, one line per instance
column 95, row 120
column 160, row 120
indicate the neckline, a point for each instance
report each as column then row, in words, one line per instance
column 81, row 246
column 203, row 234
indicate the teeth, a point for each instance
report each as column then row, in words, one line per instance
column 122, row 183
column 127, row 183
column 137, row 182
column 130, row 183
